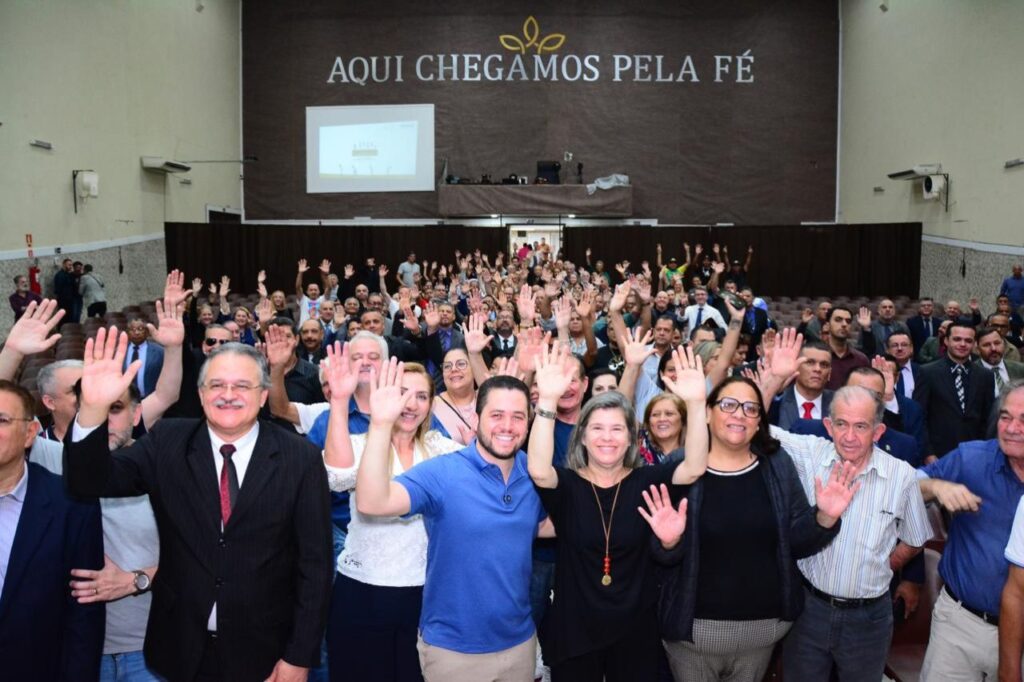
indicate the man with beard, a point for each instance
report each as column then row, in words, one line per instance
column 503, row 345
column 481, row 512
column 845, row 358
column 22, row 296
column 992, row 349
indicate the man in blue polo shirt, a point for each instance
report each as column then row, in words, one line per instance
column 481, row 513
column 985, row 480
column 1011, row 631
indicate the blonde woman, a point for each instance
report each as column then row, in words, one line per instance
column 375, row 607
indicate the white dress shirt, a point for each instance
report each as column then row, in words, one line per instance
column 800, row 400
column 11, row 505
column 709, row 313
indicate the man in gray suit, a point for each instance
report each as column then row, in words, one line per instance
column 807, row 398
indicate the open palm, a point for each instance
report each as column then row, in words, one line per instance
column 103, row 379
column 171, row 329
column 668, row 523
column 554, row 372
column 834, row 497
column 386, row 398
column 689, row 384
column 341, row 376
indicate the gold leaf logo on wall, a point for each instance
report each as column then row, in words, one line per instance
column 531, row 34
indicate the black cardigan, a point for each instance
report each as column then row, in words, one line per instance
column 799, row 536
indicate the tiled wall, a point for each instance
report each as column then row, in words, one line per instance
column 145, row 268
column 941, row 278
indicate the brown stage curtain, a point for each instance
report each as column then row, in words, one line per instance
column 789, row 260
column 209, row 250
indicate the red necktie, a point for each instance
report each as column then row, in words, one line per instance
column 807, row 410
column 228, row 483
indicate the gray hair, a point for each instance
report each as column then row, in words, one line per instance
column 235, row 348
column 612, row 400
column 1004, row 395
column 370, row 336
column 852, row 394
column 46, row 380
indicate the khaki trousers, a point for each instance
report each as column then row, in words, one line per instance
column 509, row 665
column 962, row 647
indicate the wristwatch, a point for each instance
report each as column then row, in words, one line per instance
column 141, row 582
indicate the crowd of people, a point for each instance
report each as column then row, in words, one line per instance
column 507, row 468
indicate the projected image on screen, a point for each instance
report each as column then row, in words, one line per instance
column 370, row 148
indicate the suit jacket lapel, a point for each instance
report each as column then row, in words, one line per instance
column 36, row 516
column 262, row 468
column 206, row 504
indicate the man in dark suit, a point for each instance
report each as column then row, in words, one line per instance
column 503, row 345
column 150, row 355
column 923, row 326
column 807, row 398
column 45, row 634
column 955, row 394
column 901, row 347
column 439, row 336
column 755, row 323
column 245, row 564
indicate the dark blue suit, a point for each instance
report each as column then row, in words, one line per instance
column 45, row 634
column 918, row 333
column 895, row 443
column 915, row 370
column 154, row 364
column 912, row 417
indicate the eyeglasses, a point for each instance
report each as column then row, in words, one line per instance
column 730, row 405
column 222, row 386
column 859, row 428
column 7, row 420
column 458, row 364
column 215, row 342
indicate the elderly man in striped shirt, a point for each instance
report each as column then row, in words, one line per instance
column 847, row 618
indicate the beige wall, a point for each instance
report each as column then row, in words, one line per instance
column 934, row 81
column 107, row 81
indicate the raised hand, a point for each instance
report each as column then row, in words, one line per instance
column 719, row 267
column 864, row 317
column 349, row 270
column 325, row 266
column 279, row 348
column 585, row 307
column 261, row 277
column 834, row 497
column 552, row 288
column 806, row 315
column 879, row 363
column 667, row 523
column 382, row 271
column 174, row 289
column 475, row 334
column 562, row 310
column 689, row 384
column 475, row 302
column 716, row 249
column 213, row 289
column 643, row 289
column 409, row 320
column 31, row 334
column 637, row 347
column 341, row 376
column 303, row 266
column 386, row 398
column 264, row 310
column 531, row 344
column 225, row 287
column 527, row 304
column 103, row 380
column 697, row 250
column 432, row 316
column 508, row 367
column 197, row 286
column 555, row 372
column 171, row 329
column 786, row 360
column 973, row 304
column 736, row 313
column 618, row 301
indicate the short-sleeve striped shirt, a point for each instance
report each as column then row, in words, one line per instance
column 888, row 507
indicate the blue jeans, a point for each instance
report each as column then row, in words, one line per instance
column 319, row 674
column 856, row 639
column 126, row 667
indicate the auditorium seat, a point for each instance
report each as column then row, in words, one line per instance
column 910, row 638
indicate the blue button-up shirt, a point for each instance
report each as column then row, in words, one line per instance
column 972, row 563
column 11, row 505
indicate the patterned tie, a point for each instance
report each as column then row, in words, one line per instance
column 958, row 384
column 808, row 406
column 700, row 316
column 446, row 340
column 999, row 380
column 228, row 483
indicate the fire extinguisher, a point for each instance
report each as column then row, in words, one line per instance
column 33, row 280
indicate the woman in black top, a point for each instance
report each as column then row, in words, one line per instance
column 602, row 624
column 735, row 589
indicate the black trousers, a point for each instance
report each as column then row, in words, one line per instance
column 371, row 632
column 210, row 669
column 97, row 309
column 634, row 657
